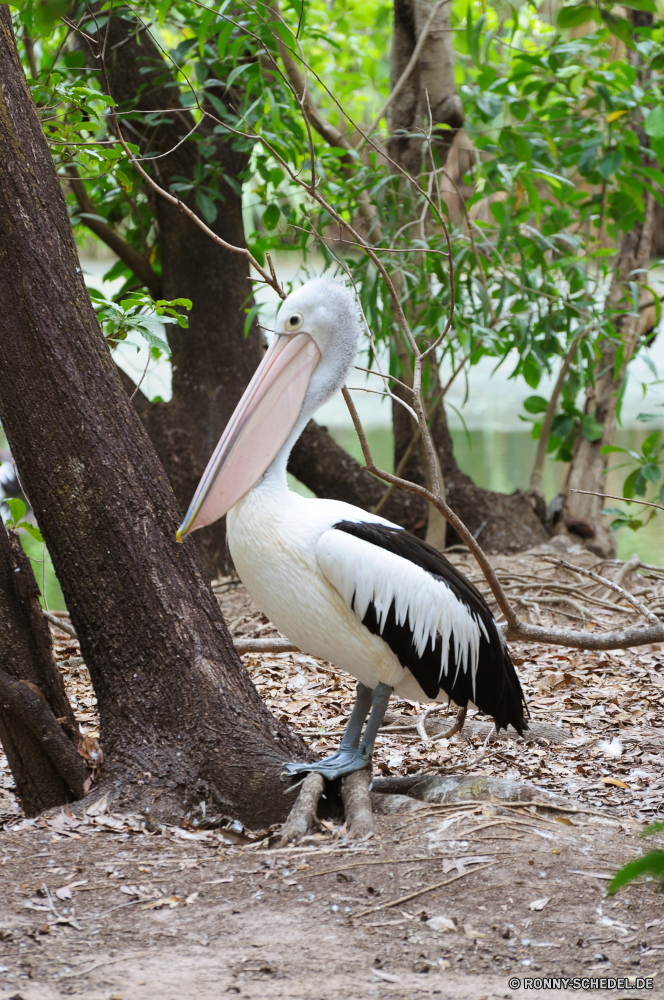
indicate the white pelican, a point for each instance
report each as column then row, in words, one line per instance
column 340, row 583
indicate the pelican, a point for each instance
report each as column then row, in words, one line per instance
column 343, row 584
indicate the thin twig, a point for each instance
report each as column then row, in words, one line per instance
column 442, row 507
column 610, row 496
column 641, row 608
column 547, row 423
column 420, row 892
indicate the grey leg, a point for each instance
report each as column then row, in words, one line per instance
column 351, row 757
column 380, row 697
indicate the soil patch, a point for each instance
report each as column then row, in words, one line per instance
column 112, row 909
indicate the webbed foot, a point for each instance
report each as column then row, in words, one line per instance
column 341, row 763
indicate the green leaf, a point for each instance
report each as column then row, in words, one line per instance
column 271, row 216
column 155, row 341
column 610, row 163
column 650, row 445
column 207, row 206
column 31, row 530
column 531, row 370
column 645, row 417
column 572, row 17
column 222, row 40
column 650, row 864
column 647, row 5
column 618, row 26
column 535, row 404
column 654, row 123
column 629, row 486
column 651, row 472
column 16, row 508
column 47, row 12
column 592, row 431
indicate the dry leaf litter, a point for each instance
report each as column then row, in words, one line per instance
column 597, row 737
column 597, row 718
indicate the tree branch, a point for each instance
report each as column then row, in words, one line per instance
column 132, row 258
column 513, row 628
column 611, row 584
column 538, row 467
column 325, row 129
column 33, row 711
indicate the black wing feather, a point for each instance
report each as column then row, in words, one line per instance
column 497, row 688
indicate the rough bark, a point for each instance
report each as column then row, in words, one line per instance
column 146, row 618
column 588, row 466
column 47, row 768
column 503, row 523
column 433, row 75
column 212, row 360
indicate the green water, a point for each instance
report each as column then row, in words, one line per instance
column 500, row 461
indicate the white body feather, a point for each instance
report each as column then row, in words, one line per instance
column 303, row 575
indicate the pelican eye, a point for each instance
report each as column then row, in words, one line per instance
column 294, row 322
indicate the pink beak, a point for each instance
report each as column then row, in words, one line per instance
column 259, row 427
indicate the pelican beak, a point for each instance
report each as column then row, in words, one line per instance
column 259, row 427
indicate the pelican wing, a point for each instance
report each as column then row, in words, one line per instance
column 434, row 620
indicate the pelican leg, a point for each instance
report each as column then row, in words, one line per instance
column 353, row 755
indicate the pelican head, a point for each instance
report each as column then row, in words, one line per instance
column 317, row 332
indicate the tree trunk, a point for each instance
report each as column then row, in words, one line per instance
column 588, row 466
column 433, row 76
column 48, row 772
column 500, row 522
column 146, row 618
column 212, row 360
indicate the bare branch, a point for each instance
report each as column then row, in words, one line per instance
column 611, row 584
column 538, row 467
column 442, row 507
column 610, row 496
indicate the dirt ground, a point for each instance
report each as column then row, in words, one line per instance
column 456, row 900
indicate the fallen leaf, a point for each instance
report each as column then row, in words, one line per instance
column 470, row 932
column 450, row 864
column 99, row 807
column 387, row 976
column 440, row 923
column 295, row 707
column 614, row 781
column 192, row 899
column 65, row 891
column 538, row 904
column 593, row 874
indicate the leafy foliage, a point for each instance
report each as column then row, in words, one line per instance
column 17, row 510
column 550, row 174
column 651, row 864
column 134, row 313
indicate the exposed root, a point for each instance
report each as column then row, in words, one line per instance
column 456, row 728
column 302, row 816
column 357, row 802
